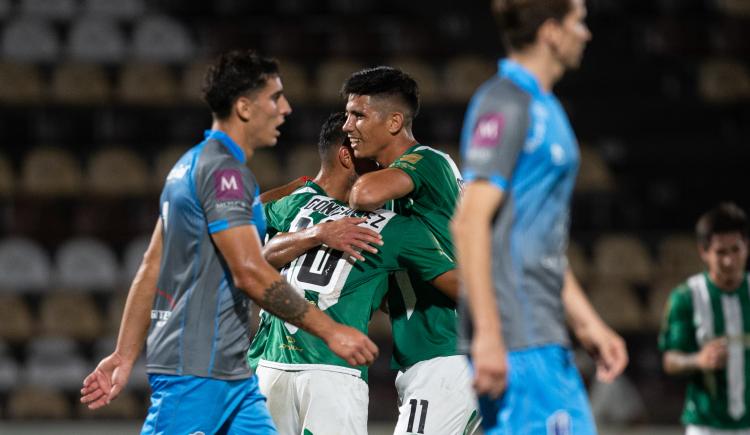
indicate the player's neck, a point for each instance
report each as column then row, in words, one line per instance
column 337, row 185
column 543, row 66
column 726, row 282
column 390, row 153
column 236, row 134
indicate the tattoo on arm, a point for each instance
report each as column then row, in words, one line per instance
column 281, row 300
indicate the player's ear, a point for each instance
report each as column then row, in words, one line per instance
column 243, row 108
column 395, row 122
column 345, row 157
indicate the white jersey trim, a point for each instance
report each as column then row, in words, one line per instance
column 300, row 367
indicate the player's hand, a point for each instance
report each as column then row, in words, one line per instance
column 713, row 355
column 352, row 345
column 347, row 236
column 490, row 362
column 106, row 382
column 608, row 350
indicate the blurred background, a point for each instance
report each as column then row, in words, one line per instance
column 99, row 98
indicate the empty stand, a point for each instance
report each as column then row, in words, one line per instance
column 50, row 9
column 24, row 265
column 49, row 171
column 73, row 315
column 34, row 403
column 425, row 75
column 159, row 38
column 86, row 263
column 120, row 9
column 303, row 160
column 678, row 256
column 96, row 39
column 117, row 171
column 331, row 75
column 622, row 257
column 265, row 166
column 80, row 83
column 20, row 84
column 617, row 304
column 191, row 87
column 463, row 75
column 149, row 84
column 30, row 39
column 54, row 363
column 17, row 322
column 7, row 177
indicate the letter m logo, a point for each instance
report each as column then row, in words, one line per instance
column 228, row 184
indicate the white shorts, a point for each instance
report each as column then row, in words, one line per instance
column 323, row 402
column 436, row 398
column 703, row 430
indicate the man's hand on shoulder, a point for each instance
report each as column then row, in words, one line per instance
column 348, row 236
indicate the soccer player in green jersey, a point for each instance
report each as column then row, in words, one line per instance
column 310, row 389
column 706, row 329
column 425, row 183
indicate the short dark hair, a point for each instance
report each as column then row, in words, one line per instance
column 233, row 74
column 727, row 217
column 332, row 136
column 519, row 20
column 385, row 81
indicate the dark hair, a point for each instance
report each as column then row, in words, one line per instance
column 519, row 20
column 727, row 217
column 234, row 74
column 332, row 135
column 385, row 81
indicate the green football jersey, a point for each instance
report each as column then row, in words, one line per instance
column 349, row 293
column 698, row 311
column 423, row 319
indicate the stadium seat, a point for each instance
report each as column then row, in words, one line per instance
column 578, row 261
column 86, row 263
column 23, row 265
column 723, row 81
column 96, row 39
column 117, row 171
column 20, row 84
column 48, row 171
column 616, row 303
column 425, row 75
column 30, row 39
column 127, row 406
column 7, row 177
column 594, row 175
column 622, row 257
column 78, row 83
column 54, row 362
column 463, row 75
column 120, row 9
column 303, row 160
column 9, row 371
column 331, row 75
column 296, row 83
column 49, row 9
column 191, row 86
column 17, row 325
column 678, row 256
column 149, row 84
column 738, row 8
column 133, row 256
column 73, row 315
column 265, row 167
column 165, row 161
column 159, row 38
column 34, row 403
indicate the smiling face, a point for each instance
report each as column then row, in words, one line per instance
column 726, row 257
column 266, row 109
column 366, row 126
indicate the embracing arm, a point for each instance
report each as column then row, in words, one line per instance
column 342, row 235
column 241, row 249
column 447, row 283
column 111, row 375
column 471, row 229
column 373, row 189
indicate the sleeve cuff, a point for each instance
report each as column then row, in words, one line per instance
column 496, row 179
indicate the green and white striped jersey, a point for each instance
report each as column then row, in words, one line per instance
column 697, row 312
column 349, row 293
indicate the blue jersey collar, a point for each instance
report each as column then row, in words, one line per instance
column 228, row 142
column 521, row 76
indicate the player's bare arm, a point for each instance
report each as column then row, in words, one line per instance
column 345, row 235
column 372, row 190
column 447, row 283
column 604, row 344
column 241, row 249
column 111, row 374
column 471, row 228
column 712, row 356
column 282, row 191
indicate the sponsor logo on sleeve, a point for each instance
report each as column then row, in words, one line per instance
column 488, row 130
column 228, row 184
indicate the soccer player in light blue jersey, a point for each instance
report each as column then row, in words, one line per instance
column 511, row 232
column 204, row 264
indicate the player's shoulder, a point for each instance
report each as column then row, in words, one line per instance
column 501, row 94
column 212, row 154
column 681, row 295
column 297, row 198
